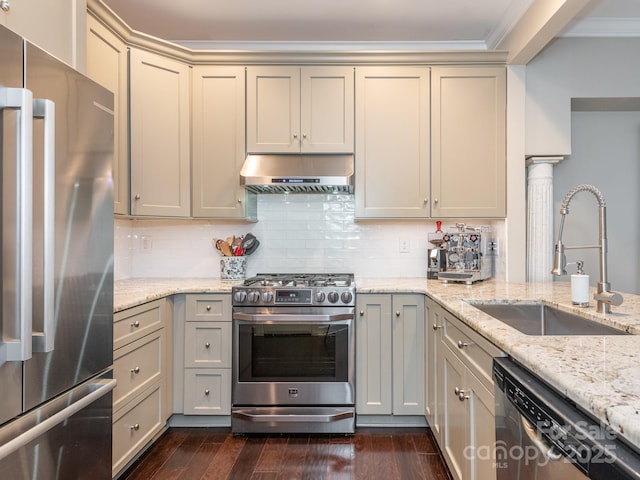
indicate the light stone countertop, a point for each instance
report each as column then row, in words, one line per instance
column 600, row 373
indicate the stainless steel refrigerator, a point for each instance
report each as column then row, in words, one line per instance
column 56, row 145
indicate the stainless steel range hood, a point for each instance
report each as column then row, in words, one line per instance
column 298, row 173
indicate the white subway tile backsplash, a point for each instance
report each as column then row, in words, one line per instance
column 297, row 233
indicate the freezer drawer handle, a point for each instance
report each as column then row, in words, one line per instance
column 17, row 322
column 40, row 429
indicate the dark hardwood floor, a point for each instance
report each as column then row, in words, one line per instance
column 214, row 453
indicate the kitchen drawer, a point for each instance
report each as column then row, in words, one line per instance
column 136, row 366
column 474, row 350
column 134, row 427
column 134, row 323
column 208, row 308
column 207, row 344
column 207, row 392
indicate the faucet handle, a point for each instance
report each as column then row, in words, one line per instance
column 610, row 298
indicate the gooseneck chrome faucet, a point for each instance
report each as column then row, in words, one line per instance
column 604, row 296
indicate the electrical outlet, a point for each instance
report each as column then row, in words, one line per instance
column 404, row 245
column 494, row 247
column 147, row 243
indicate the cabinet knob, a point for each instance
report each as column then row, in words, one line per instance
column 462, row 344
column 425, row 201
column 5, row 6
column 135, row 427
column 137, row 197
column 208, row 308
column 135, row 370
column 462, row 396
column 304, row 135
column 295, row 135
column 435, row 200
column 135, row 324
column 207, row 345
column 362, row 313
column 436, row 326
column 397, row 314
column 206, row 392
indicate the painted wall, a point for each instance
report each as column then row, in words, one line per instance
column 602, row 147
column 298, row 233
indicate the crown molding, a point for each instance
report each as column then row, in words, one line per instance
column 604, row 27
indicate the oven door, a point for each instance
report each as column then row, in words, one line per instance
column 293, row 356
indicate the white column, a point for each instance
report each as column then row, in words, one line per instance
column 540, row 241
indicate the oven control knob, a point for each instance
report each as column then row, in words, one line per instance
column 254, row 297
column 333, row 297
column 320, row 296
column 346, row 297
column 240, row 296
column 267, row 297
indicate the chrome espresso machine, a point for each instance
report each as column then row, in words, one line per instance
column 461, row 254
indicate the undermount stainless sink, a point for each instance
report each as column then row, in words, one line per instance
column 541, row 319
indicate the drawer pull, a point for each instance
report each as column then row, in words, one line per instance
column 135, row 370
column 436, row 326
column 207, row 345
column 135, row 427
column 208, row 308
column 462, row 344
column 206, row 392
column 135, row 324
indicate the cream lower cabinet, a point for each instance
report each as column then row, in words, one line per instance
column 465, row 395
column 143, row 369
column 468, row 142
column 207, row 355
column 392, row 142
column 434, row 409
column 218, row 143
column 160, row 135
column 390, row 354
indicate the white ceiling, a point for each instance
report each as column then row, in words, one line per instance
column 431, row 24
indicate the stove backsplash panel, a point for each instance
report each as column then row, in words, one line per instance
column 297, row 233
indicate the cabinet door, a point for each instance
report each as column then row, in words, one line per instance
column 160, row 183
column 468, row 142
column 433, row 371
column 373, row 355
column 326, row 109
column 218, row 141
column 273, row 109
column 392, row 142
column 408, row 354
column 207, row 391
column 454, row 428
column 107, row 60
column 482, row 430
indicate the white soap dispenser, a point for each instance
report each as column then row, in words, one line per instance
column 580, row 287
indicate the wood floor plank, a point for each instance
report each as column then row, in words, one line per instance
column 216, row 454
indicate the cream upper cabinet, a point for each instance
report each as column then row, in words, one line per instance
column 392, row 142
column 52, row 26
column 218, row 143
column 107, row 60
column 160, row 136
column 300, row 109
column 468, row 142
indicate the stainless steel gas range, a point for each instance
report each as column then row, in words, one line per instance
column 293, row 354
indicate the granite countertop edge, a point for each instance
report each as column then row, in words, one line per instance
column 601, row 374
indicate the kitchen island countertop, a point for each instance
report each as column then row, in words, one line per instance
column 601, row 374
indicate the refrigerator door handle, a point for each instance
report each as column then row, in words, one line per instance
column 16, row 344
column 46, row 109
column 103, row 387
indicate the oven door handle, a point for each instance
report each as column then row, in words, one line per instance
column 300, row 317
